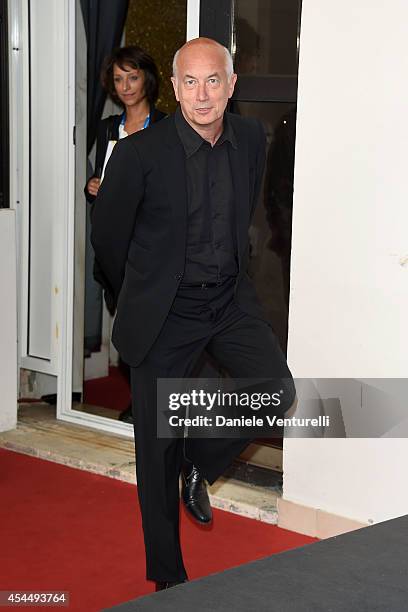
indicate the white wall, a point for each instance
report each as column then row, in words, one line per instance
column 349, row 282
column 8, row 322
column 361, row 479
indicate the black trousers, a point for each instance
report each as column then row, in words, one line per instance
column 245, row 347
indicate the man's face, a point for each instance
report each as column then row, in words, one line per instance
column 201, row 85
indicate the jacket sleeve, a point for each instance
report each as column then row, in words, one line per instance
column 114, row 211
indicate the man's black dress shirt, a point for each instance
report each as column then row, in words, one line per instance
column 211, row 227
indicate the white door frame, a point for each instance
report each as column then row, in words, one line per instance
column 32, row 181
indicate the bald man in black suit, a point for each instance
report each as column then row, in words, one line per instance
column 170, row 233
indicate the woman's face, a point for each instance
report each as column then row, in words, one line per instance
column 129, row 84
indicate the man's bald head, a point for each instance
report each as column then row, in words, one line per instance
column 203, row 82
column 201, row 45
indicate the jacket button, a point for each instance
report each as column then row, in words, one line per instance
column 178, row 276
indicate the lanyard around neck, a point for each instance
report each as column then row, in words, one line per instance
column 145, row 125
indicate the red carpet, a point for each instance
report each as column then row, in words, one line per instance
column 65, row 529
column 111, row 391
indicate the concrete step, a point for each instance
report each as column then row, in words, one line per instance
column 41, row 435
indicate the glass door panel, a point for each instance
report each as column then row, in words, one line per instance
column 265, row 37
column 270, row 232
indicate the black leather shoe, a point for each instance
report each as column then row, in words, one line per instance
column 126, row 415
column 162, row 586
column 194, row 494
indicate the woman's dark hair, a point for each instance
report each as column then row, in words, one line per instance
column 136, row 58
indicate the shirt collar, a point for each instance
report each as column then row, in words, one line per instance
column 192, row 140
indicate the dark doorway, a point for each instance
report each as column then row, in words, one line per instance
column 4, row 107
column 263, row 37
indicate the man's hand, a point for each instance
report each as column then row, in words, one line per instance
column 93, row 186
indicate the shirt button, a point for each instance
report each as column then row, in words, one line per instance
column 178, row 276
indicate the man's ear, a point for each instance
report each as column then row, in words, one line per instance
column 232, row 82
column 174, row 81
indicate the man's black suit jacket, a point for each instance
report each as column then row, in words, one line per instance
column 139, row 226
column 108, row 129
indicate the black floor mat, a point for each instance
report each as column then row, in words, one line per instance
column 361, row 571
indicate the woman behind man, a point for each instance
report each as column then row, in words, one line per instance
column 131, row 79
